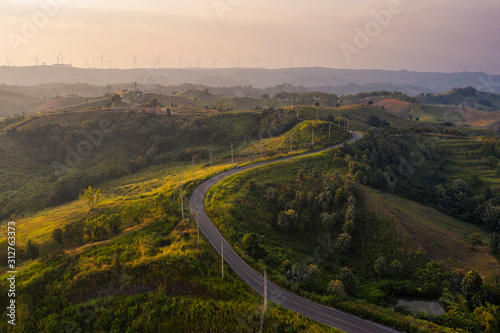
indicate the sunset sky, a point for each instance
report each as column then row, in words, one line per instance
column 422, row 35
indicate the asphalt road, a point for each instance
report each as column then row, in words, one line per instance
column 320, row 313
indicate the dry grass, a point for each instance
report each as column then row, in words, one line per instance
column 440, row 237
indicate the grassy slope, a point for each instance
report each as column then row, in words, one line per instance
column 438, row 236
column 465, row 157
column 16, row 103
column 165, row 280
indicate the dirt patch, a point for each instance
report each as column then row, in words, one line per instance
column 395, row 107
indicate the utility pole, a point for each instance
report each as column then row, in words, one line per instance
column 211, row 161
column 222, row 254
column 264, row 310
column 198, row 225
column 265, row 289
column 260, row 148
column 182, row 199
column 173, row 188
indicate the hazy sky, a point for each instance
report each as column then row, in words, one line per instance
column 421, row 35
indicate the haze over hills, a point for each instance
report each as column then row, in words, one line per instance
column 338, row 81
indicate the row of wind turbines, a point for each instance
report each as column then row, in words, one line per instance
column 108, row 64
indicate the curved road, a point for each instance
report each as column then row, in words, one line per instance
column 320, row 313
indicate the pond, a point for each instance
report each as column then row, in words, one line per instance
column 431, row 307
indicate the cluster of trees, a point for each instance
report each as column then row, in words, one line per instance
column 276, row 121
column 317, row 209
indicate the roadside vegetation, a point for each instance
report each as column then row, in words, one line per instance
column 409, row 210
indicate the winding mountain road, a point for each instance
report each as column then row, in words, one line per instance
column 320, row 313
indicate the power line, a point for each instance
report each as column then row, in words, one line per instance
column 222, row 254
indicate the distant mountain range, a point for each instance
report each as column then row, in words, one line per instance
column 338, row 81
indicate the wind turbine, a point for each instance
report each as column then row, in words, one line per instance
column 62, row 58
column 157, row 61
column 215, row 62
column 8, row 62
column 134, row 62
column 36, row 59
column 57, row 57
column 86, row 63
column 181, row 60
column 102, row 60
column 238, row 61
column 110, row 63
column 197, row 62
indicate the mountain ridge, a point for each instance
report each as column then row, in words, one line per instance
column 340, row 81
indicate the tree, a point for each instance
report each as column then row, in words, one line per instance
column 250, row 244
column 380, row 266
column 91, row 197
column 265, row 96
column 51, row 251
column 57, row 235
column 115, row 98
column 328, row 221
column 488, row 317
column 348, row 279
column 396, row 268
column 271, row 195
column 252, row 184
column 287, row 220
column 348, row 227
column 336, row 287
column 471, row 286
column 494, row 240
column 476, row 239
column 169, row 112
column 343, row 243
column 31, row 250
column 113, row 224
column 162, row 203
column 457, row 277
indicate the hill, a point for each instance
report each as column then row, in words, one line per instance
column 16, row 103
column 340, row 81
column 465, row 98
